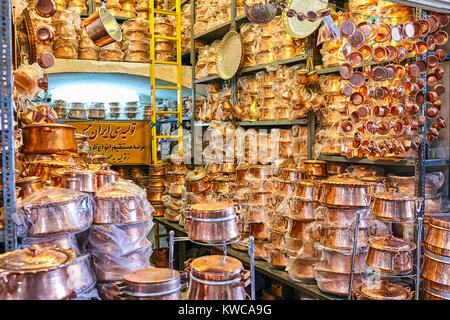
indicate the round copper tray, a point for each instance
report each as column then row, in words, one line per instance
column 230, row 55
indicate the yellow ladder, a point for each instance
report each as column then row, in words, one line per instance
column 154, row 87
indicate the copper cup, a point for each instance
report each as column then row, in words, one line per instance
column 380, row 54
column 44, row 35
column 346, row 70
column 45, row 8
column 368, row 28
column 379, row 73
column 355, row 116
column 357, row 39
column 423, row 66
column 411, row 30
column 397, row 127
column 402, row 53
column 397, row 33
column 380, row 111
column 347, row 28
column 347, row 90
column 440, row 37
column 356, row 98
column 439, row 90
column 432, row 61
column 441, row 54
column 438, row 104
column 425, row 27
column 381, row 93
column 357, row 79
column 366, row 51
column 383, row 33
column 434, row 22
column 432, row 79
column 371, row 126
column 356, row 59
column 397, row 110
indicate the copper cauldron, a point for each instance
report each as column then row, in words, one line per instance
column 394, row 206
column 29, row 185
column 217, row 277
column 302, row 209
column 48, row 138
column 300, row 269
column 381, row 290
column 316, row 168
column 345, row 192
column 212, row 222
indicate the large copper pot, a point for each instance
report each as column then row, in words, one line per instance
column 159, row 210
column 63, row 241
column 335, row 282
column 277, row 258
column 259, row 231
column 241, row 173
column 300, row 269
column 427, row 293
column 343, row 217
column 291, row 174
column 150, row 284
column 155, row 195
column 315, row 168
column 302, row 209
column 436, row 271
column 212, row 222
column 223, row 185
column 45, row 168
column 82, row 274
column 303, row 229
column 79, row 180
column 156, row 183
column 25, row 273
column 261, row 171
column 381, row 290
column 394, row 206
column 345, row 192
column 379, row 183
column 342, row 238
column 308, row 190
column 217, row 277
column 48, row 138
column 389, row 254
column 341, row 260
column 285, row 188
column 334, row 168
column 437, row 239
column 257, row 213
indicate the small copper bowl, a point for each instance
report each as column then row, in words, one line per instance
column 431, row 43
column 434, row 22
column 423, row 66
column 379, row 73
column 367, row 52
column 425, row 27
column 440, row 37
column 357, row 79
column 402, row 53
column 391, row 72
column 443, row 19
column 381, row 111
column 380, row 54
column 346, row 70
column 413, row 71
column 392, row 53
column 420, row 48
column 368, row 28
column 432, row 61
column 441, row 54
column 356, row 59
column 356, row 98
column 411, row 30
column 383, row 33
column 397, row 33
column 439, row 89
column 347, row 28
column 357, row 39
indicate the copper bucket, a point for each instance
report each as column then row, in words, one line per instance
column 102, row 28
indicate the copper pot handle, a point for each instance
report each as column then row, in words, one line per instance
column 245, row 278
column 119, row 287
column 399, row 262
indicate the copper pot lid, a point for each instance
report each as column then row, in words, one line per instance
column 195, row 176
column 443, row 222
column 390, row 243
column 151, row 276
column 34, row 259
column 212, row 206
column 397, row 33
column 213, row 266
column 383, row 290
column 393, row 195
column 344, row 180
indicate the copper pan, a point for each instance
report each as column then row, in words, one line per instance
column 197, row 182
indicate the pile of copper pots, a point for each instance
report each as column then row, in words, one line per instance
column 198, row 186
column 435, row 271
column 216, row 277
column 342, row 199
column 156, row 187
column 175, row 182
column 117, row 239
column 239, row 198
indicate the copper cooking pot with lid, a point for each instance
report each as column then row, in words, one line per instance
column 438, row 238
column 45, row 168
column 48, row 138
column 389, row 254
column 315, row 168
column 308, row 190
column 212, row 222
column 197, row 181
column 156, row 170
column 343, row 191
column 79, row 180
column 150, row 284
column 105, row 177
column 381, row 290
column 336, row 167
column 25, row 273
column 216, row 277
column 395, row 206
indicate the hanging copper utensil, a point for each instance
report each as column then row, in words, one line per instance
column 356, row 98
column 383, row 128
column 420, row 98
column 364, row 91
column 357, row 39
column 434, row 22
column 346, row 70
column 357, row 79
column 371, row 126
column 412, row 108
column 260, row 13
column 432, row 112
column 443, row 19
column 406, row 121
column 46, row 60
column 439, row 89
column 356, row 59
column 346, row 50
column 438, row 104
column 364, row 111
column 432, row 96
column 347, row 90
column 425, row 27
column 44, row 34
column 439, row 72
column 397, row 33
column 397, row 110
column 383, row 33
column 431, row 43
column 380, row 111
column 441, row 54
column 432, row 61
column 347, row 28
column 402, row 53
column 412, row 71
column 102, row 27
column 420, row 48
column 379, row 73
column 422, row 66
column 411, row 30
column 401, row 71
column 392, row 53
column 346, row 127
column 367, row 52
column 432, row 79
column 380, row 54
column 45, row 8
column 440, row 37
column 368, row 28
column 355, row 117
column 391, row 71
column 397, row 127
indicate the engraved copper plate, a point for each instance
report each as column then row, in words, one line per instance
column 230, row 55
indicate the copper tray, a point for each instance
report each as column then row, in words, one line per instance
column 301, row 29
column 230, row 55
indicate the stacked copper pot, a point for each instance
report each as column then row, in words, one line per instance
column 342, row 198
column 435, row 269
column 67, row 25
column 118, row 236
column 175, row 184
column 135, row 44
column 156, row 187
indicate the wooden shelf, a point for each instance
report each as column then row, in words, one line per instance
column 272, row 123
column 208, row 80
column 163, row 72
column 262, row 267
column 215, row 33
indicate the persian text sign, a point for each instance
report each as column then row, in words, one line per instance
column 121, row 142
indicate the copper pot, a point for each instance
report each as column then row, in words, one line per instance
column 437, row 240
column 157, row 183
column 335, row 282
column 259, row 231
column 435, row 271
column 194, row 198
column 395, row 206
column 303, row 229
column 241, row 173
column 116, row 206
column 159, row 210
column 105, row 177
column 381, row 290
column 299, row 248
column 260, row 185
column 341, row 260
column 29, row 185
column 259, row 198
column 428, row 293
column 212, row 222
column 48, row 138
column 257, row 213
column 277, row 258
column 302, row 209
column 342, row 238
column 390, row 255
column 315, row 168
column 157, row 170
column 285, row 188
column 155, row 195
column 342, row 217
column 308, row 190
column 223, row 185
column 79, row 180
column 150, row 284
column 102, row 28
column 228, row 168
column 344, row 192
column 217, row 277
column 197, row 182
column 300, row 269
column 336, row 168
column 261, row 171
column 24, row 271
column 81, row 274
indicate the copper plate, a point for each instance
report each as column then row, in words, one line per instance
column 230, row 55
